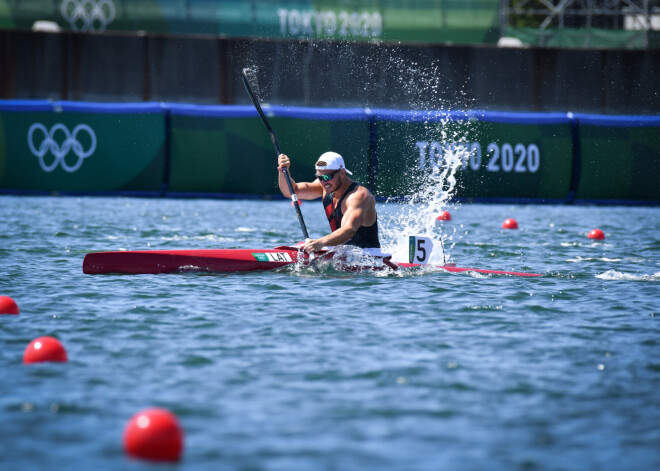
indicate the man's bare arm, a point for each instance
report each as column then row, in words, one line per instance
column 304, row 190
column 351, row 222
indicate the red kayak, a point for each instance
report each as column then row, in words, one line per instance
column 232, row 260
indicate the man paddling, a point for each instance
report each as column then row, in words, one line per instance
column 349, row 206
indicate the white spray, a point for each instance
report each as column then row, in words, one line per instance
column 435, row 180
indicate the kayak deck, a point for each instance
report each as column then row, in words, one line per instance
column 228, row 260
column 173, row 261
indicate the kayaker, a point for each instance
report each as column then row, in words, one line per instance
column 349, row 206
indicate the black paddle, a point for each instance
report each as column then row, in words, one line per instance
column 273, row 138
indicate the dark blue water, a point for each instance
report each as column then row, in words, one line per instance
column 295, row 371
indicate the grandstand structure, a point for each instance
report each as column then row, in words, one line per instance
column 582, row 23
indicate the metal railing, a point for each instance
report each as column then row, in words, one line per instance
column 589, row 18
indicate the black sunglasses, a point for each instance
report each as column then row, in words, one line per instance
column 327, row 177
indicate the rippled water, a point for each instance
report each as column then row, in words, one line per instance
column 295, row 371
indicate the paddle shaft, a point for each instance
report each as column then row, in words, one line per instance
column 273, row 138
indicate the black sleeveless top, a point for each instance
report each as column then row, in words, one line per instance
column 365, row 237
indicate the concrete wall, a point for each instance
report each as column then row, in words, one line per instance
column 71, row 66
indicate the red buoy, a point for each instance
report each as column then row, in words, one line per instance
column 8, row 305
column 154, row 434
column 510, row 223
column 44, row 349
column 596, row 234
column 444, row 216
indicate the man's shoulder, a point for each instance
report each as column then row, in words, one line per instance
column 365, row 190
column 361, row 194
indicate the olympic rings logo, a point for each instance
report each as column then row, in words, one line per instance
column 60, row 151
column 88, row 15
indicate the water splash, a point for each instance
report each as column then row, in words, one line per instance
column 620, row 276
column 443, row 147
column 432, row 186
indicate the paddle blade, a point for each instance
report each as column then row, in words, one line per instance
column 250, row 74
column 252, row 87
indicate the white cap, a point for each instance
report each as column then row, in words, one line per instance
column 331, row 161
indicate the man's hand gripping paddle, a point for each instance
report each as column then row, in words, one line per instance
column 248, row 76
